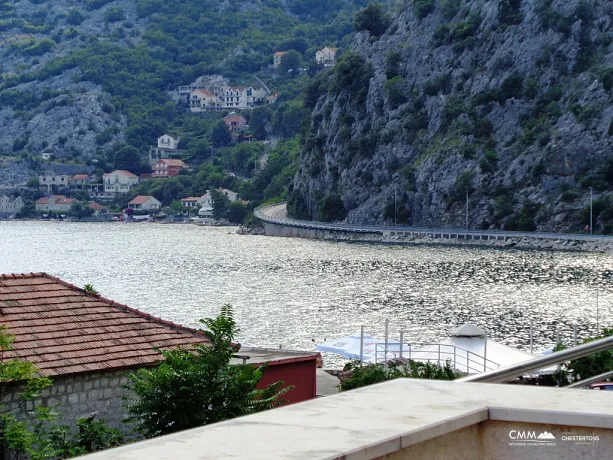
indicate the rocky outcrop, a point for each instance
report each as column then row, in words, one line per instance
column 59, row 115
column 507, row 101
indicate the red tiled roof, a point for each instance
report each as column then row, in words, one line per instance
column 64, row 330
column 80, row 176
column 96, row 206
column 42, row 201
column 234, row 118
column 140, row 199
column 125, row 173
column 205, row 92
column 173, row 162
column 190, row 198
column 280, row 53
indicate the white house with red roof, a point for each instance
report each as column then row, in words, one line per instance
column 145, row 203
column 119, row 182
column 55, row 203
column 201, row 100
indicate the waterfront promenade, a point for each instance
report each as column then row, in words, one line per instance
column 276, row 215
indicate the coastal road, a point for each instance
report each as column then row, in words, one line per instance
column 277, row 214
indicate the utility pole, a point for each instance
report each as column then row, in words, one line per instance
column 395, row 207
column 467, row 208
column 591, row 208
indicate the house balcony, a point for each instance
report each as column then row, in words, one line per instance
column 406, row 419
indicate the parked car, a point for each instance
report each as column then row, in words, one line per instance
column 602, row 386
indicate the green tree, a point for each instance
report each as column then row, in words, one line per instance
column 588, row 366
column 331, row 208
column 360, row 376
column 220, row 204
column 291, row 62
column 199, row 386
column 128, row 158
column 28, row 210
column 176, row 207
column 81, row 210
column 259, row 122
column 237, row 212
column 220, row 136
column 373, row 19
column 33, row 182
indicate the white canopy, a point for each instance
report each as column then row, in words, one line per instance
column 373, row 349
column 469, row 351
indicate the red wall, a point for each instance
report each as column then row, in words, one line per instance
column 300, row 374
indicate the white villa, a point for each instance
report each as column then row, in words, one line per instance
column 55, row 203
column 213, row 92
column 119, row 182
column 326, row 56
column 166, row 148
column 10, row 206
column 144, row 203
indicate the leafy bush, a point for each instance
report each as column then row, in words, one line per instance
column 509, row 12
column 512, row 87
column 441, row 83
column 331, row 208
column 394, row 89
column 372, row 19
column 114, row 14
column 361, row 376
column 449, row 8
column 352, row 73
column 488, row 162
column 74, row 17
column 423, row 8
column 191, row 388
column 524, row 221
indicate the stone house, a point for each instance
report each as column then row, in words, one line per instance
column 52, row 182
column 326, row 56
column 201, row 100
column 87, row 344
column 9, row 206
column 144, row 203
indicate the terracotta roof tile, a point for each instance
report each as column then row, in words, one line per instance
column 65, row 330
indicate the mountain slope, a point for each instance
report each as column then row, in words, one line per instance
column 507, row 100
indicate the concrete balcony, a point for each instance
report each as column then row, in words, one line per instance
column 405, row 419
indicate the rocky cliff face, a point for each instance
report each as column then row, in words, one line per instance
column 59, row 115
column 508, row 101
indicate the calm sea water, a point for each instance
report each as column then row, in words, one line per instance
column 295, row 293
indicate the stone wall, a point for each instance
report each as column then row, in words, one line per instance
column 79, row 396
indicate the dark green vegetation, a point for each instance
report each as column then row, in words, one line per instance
column 182, row 40
column 40, row 436
column 589, row 366
column 192, row 388
column 361, row 376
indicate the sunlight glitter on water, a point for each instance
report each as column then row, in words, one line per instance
column 290, row 292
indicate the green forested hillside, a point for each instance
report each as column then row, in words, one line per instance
column 143, row 50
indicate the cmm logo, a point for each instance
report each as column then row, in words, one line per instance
column 517, row 435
